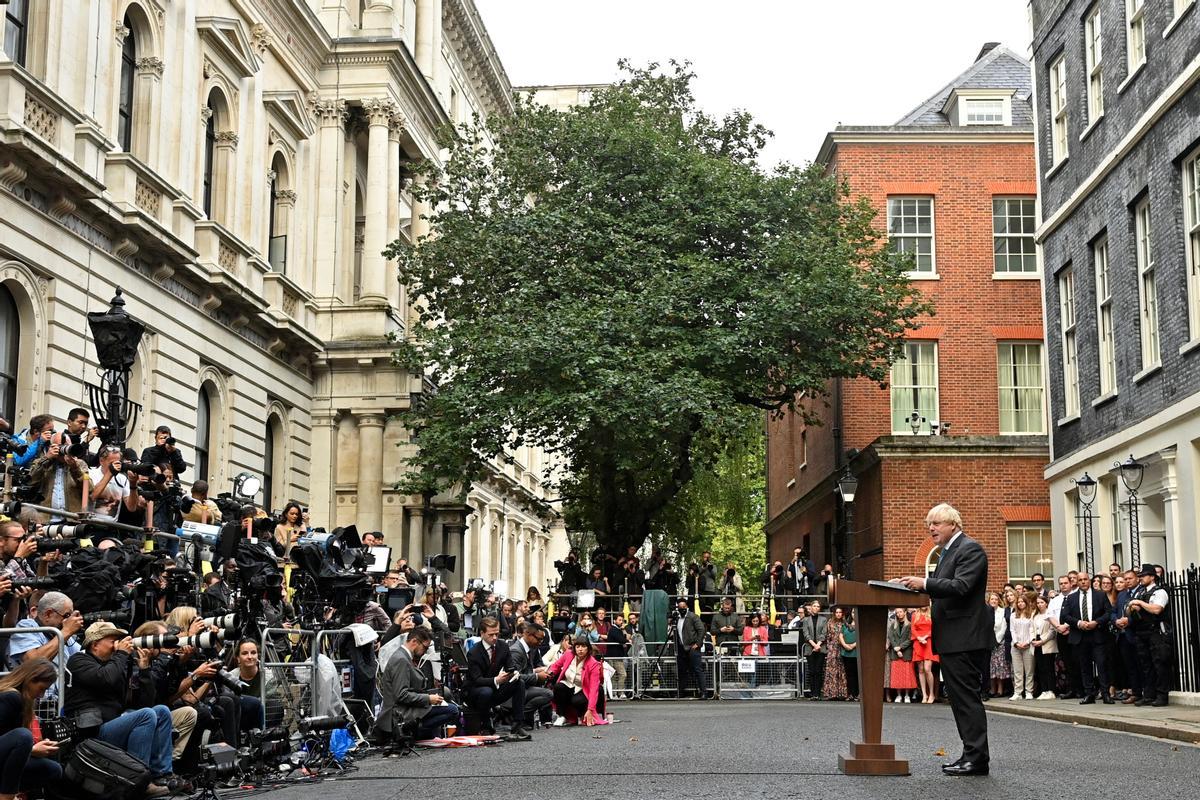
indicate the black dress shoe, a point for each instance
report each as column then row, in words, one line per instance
column 1107, row 699
column 966, row 768
column 1087, row 701
column 518, row 734
column 954, row 763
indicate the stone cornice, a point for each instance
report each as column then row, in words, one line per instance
column 922, row 135
column 465, row 31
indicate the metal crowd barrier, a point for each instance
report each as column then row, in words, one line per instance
column 46, row 708
column 759, row 677
column 288, row 676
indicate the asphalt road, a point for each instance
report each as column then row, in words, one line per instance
column 724, row 750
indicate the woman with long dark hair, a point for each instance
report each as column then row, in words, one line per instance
column 288, row 531
column 24, row 765
column 578, row 684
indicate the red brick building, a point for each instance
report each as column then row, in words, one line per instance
column 954, row 183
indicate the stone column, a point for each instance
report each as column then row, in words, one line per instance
column 321, row 500
column 370, row 472
column 225, row 182
column 330, row 116
column 455, row 533
column 391, row 282
column 374, row 266
column 416, row 537
column 429, row 39
column 147, row 108
column 1171, row 511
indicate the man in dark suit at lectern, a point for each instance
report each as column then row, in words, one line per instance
column 962, row 631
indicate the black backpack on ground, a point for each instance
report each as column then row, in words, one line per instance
column 105, row 770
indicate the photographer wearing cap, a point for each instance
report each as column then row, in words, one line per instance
column 53, row 610
column 164, row 449
column 110, row 485
column 100, row 676
column 406, row 692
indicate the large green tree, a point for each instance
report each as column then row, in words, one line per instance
column 615, row 282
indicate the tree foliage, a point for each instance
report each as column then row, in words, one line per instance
column 616, row 282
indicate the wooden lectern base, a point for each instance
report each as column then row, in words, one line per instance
column 872, row 759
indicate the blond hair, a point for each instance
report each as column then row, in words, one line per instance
column 944, row 512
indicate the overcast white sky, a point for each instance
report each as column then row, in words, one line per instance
column 800, row 66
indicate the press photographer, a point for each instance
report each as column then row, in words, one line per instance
column 96, row 700
column 60, row 478
column 156, row 682
column 201, row 684
column 164, row 449
column 53, row 610
column 110, row 486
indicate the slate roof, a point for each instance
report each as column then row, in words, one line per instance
column 999, row 68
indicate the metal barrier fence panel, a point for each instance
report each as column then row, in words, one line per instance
column 658, row 675
column 287, row 682
column 754, row 677
column 622, row 682
column 49, row 705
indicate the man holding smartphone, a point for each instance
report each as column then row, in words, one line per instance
column 491, row 681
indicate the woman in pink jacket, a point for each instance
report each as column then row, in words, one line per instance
column 578, row 680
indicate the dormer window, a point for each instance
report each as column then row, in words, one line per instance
column 979, row 107
column 984, row 111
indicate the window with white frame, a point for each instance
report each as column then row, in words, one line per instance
column 915, row 386
column 1070, row 351
column 983, row 110
column 1104, row 319
column 1020, row 381
column 1181, row 6
column 1117, row 521
column 1030, row 550
column 1135, row 33
column 1191, row 221
column 1147, row 286
column 910, row 230
column 1058, row 109
column 1093, row 51
column 1013, row 225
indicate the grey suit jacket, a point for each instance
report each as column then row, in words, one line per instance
column 405, row 691
column 812, row 628
column 693, row 631
column 519, row 660
column 962, row 621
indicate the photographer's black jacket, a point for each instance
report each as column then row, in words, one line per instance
column 156, row 454
column 97, row 684
column 155, row 684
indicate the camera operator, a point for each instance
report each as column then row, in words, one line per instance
column 731, row 586
column 81, row 436
column 408, row 573
column 154, row 683
column 53, row 610
column 61, row 478
column 571, row 575
column 164, row 449
column 599, row 584
column 406, row 694
column 706, row 580
column 37, row 437
column 203, row 510
column 801, row 573
column 110, row 486
column 96, row 700
column 197, row 671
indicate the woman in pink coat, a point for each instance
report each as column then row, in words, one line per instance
column 578, row 680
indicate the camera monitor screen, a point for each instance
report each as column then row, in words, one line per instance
column 383, row 559
column 398, row 599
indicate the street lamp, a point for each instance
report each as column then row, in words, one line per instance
column 847, row 486
column 116, row 336
column 1132, row 472
column 1086, row 488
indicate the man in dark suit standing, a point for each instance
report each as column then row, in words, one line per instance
column 1087, row 613
column 687, row 632
column 490, row 681
column 962, row 631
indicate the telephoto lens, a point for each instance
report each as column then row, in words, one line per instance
column 227, row 622
column 156, row 641
column 61, row 545
column 232, row 682
column 208, row 640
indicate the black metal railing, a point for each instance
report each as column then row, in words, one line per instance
column 1183, row 588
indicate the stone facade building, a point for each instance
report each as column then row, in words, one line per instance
column 963, row 418
column 237, row 167
column 1118, row 137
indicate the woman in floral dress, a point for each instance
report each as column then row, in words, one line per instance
column 835, row 669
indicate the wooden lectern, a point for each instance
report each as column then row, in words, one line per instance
column 874, row 601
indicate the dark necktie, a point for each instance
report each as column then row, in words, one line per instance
column 1083, row 599
column 493, row 654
